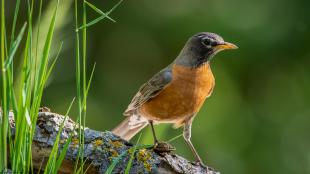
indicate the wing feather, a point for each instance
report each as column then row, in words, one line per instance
column 149, row 90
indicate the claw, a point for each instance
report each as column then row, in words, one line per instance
column 163, row 147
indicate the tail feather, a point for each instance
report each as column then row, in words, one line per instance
column 126, row 130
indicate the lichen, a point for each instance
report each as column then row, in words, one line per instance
column 147, row 166
column 113, row 153
column 143, row 155
column 116, row 143
column 48, row 123
column 97, row 142
column 62, row 141
column 75, row 142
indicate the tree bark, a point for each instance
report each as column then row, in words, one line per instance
column 100, row 149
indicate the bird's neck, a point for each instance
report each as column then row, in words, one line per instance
column 191, row 62
column 190, row 58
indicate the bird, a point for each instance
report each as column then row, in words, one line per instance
column 176, row 93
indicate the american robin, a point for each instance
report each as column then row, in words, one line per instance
column 176, row 93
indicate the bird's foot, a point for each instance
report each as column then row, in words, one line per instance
column 163, row 147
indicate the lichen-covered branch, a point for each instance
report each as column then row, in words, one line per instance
column 101, row 148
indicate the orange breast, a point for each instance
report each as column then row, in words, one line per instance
column 183, row 96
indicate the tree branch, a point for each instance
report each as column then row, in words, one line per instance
column 101, row 148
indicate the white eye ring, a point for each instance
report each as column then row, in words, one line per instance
column 207, row 43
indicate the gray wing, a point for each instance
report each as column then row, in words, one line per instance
column 149, row 90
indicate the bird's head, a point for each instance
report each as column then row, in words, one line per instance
column 200, row 49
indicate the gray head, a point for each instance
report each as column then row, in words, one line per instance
column 200, row 49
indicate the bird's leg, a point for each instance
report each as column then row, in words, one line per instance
column 153, row 132
column 187, row 138
column 160, row 147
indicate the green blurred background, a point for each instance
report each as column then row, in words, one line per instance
column 258, row 118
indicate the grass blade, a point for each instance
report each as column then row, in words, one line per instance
column 102, row 16
column 78, row 79
column 14, row 47
column 40, row 80
column 89, row 82
column 14, row 21
column 175, row 138
column 47, row 46
column 63, row 152
column 99, row 11
column 81, row 168
column 128, row 167
column 114, row 163
column 118, row 158
column 4, row 99
column 114, row 7
column 36, row 60
column 51, row 163
column 88, row 167
column 54, row 62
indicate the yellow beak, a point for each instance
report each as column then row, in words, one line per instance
column 226, row 46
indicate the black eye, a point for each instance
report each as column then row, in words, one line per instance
column 206, row 42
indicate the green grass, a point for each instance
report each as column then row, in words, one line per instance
column 51, row 166
column 81, row 70
column 4, row 101
column 22, row 90
column 132, row 155
column 103, row 15
column 115, row 162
